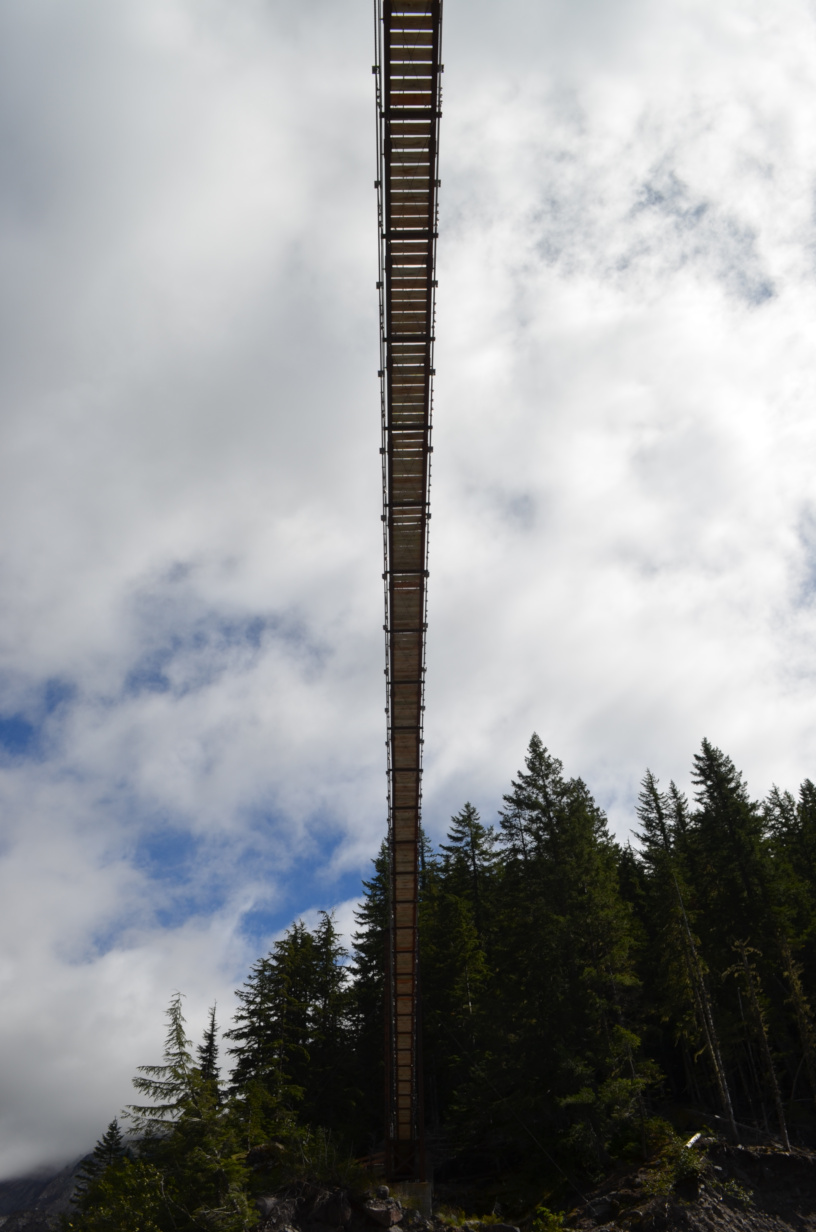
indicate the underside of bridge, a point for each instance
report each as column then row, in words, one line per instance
column 409, row 107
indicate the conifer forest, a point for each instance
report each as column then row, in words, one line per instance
column 579, row 996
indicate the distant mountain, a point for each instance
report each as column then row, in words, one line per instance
column 35, row 1203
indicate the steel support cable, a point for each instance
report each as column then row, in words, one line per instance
column 408, row 68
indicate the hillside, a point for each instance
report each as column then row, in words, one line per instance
column 727, row 1188
column 709, row 1187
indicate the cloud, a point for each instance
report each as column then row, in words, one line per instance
column 620, row 357
column 191, row 690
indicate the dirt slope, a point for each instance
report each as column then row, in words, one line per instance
column 727, row 1188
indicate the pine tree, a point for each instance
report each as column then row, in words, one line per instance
column 367, row 1001
column 806, row 829
column 681, row 828
column 207, row 1051
column 679, row 818
column 453, row 970
column 674, row 969
column 129, row 1196
column 561, row 1045
column 791, row 826
column 109, row 1149
column 533, row 802
column 202, row 1163
column 753, row 988
column 329, row 1094
column 705, row 1015
column 802, row 1013
column 653, row 813
column 191, row 1135
column 189, row 1173
column 560, row 975
column 468, row 861
column 291, row 1036
column 728, row 839
column 271, row 1023
column 170, row 1085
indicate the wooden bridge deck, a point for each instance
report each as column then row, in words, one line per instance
column 409, row 109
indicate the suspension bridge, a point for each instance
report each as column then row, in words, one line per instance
column 408, row 71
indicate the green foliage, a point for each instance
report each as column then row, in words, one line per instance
column 203, row 1161
column 545, row 1220
column 129, row 1197
column 110, row 1149
column 325, row 1160
column 169, row 1085
column 366, row 1006
column 561, row 972
column 468, row 863
column 569, row 988
column 737, row 1193
column 191, row 1170
column 292, row 1036
column 454, row 1216
column 674, row 1165
column 207, row 1051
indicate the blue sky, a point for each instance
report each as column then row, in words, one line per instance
column 191, row 659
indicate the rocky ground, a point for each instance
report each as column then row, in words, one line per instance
column 708, row 1187
column 717, row 1187
column 310, row 1209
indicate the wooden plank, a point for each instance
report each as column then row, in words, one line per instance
column 408, row 144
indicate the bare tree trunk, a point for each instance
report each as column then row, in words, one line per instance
column 753, row 1071
column 703, row 1004
column 804, row 1020
column 766, row 1048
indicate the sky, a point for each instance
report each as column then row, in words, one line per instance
column 623, row 547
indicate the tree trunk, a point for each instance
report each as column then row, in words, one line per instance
column 703, row 1005
column 766, row 1048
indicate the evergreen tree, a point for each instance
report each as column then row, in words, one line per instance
column 453, row 970
column 292, row 1029
column 202, row 1164
column 109, row 1149
column 127, row 1197
column 367, row 1000
column 189, row 1174
column 329, row 1092
column 803, row 1015
column 271, row 1028
column 740, row 902
column 753, row 988
column 674, row 972
column 679, row 818
column 732, row 852
column 207, row 1051
column 533, row 802
column 468, row 861
column 653, row 814
column 560, row 974
column 170, row 1085
column 791, row 826
column 564, row 1050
